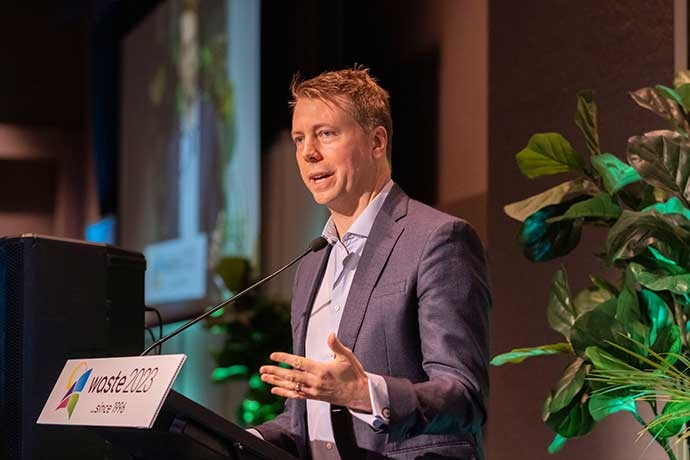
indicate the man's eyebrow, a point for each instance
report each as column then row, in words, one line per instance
column 313, row 128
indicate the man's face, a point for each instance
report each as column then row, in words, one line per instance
column 335, row 156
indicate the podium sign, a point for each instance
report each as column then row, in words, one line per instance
column 115, row 392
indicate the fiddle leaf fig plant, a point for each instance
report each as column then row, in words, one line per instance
column 637, row 322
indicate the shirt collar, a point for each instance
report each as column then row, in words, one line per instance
column 362, row 225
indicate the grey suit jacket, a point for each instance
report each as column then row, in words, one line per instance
column 417, row 314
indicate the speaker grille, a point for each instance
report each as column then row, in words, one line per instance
column 11, row 324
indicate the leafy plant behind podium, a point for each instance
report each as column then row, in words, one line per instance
column 639, row 321
column 253, row 327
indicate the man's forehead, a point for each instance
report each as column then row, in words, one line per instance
column 316, row 110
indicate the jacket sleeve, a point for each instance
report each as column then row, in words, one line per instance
column 278, row 431
column 453, row 300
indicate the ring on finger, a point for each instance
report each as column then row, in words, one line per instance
column 298, row 387
column 298, row 364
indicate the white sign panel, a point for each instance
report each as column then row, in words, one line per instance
column 123, row 392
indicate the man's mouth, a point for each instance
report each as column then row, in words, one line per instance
column 319, row 177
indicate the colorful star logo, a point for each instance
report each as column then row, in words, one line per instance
column 74, row 386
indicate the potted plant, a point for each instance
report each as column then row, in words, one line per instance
column 636, row 321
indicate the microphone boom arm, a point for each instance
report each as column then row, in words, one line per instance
column 315, row 245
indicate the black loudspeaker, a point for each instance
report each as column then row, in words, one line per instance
column 60, row 299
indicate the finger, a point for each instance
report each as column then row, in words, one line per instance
column 295, row 361
column 288, row 386
column 277, row 370
column 289, row 389
column 289, row 374
column 277, row 381
column 337, row 346
column 286, row 393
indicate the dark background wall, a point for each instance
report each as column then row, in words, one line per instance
column 43, row 97
column 311, row 36
column 43, row 79
column 541, row 53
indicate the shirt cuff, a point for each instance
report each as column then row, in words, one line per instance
column 255, row 433
column 380, row 411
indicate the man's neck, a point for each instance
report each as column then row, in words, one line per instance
column 344, row 220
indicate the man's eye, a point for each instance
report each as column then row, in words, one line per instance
column 297, row 140
column 327, row 133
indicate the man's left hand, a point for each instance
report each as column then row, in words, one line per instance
column 341, row 381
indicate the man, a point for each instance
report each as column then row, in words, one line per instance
column 389, row 321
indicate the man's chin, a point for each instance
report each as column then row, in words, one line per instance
column 322, row 200
column 322, row 197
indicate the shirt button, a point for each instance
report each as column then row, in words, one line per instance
column 386, row 412
column 337, row 307
column 329, row 445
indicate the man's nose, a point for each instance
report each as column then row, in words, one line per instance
column 310, row 151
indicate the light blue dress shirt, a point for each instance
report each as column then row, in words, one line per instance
column 325, row 318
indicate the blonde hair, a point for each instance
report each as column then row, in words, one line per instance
column 353, row 90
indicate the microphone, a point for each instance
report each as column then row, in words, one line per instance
column 315, row 245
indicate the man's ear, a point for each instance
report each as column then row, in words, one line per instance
column 379, row 139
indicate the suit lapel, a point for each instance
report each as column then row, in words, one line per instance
column 314, row 266
column 382, row 238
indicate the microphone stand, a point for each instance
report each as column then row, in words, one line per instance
column 315, row 245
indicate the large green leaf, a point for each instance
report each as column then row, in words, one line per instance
column 588, row 299
column 542, row 240
column 672, row 206
column 599, row 208
column 678, row 284
column 634, row 232
column 599, row 328
column 520, row 210
column 572, row 421
column 639, row 194
column 518, row 355
column 602, row 403
column 664, row 336
column 557, row 444
column 670, row 93
column 676, row 220
column 605, row 361
column 569, row 385
column 545, row 413
column 662, row 158
column 657, row 311
column 603, row 284
column 614, row 173
column 683, row 92
column 546, row 154
column 628, row 311
column 669, row 344
column 663, row 105
column 659, row 262
column 628, row 306
column 672, row 419
column 586, row 120
column 560, row 311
